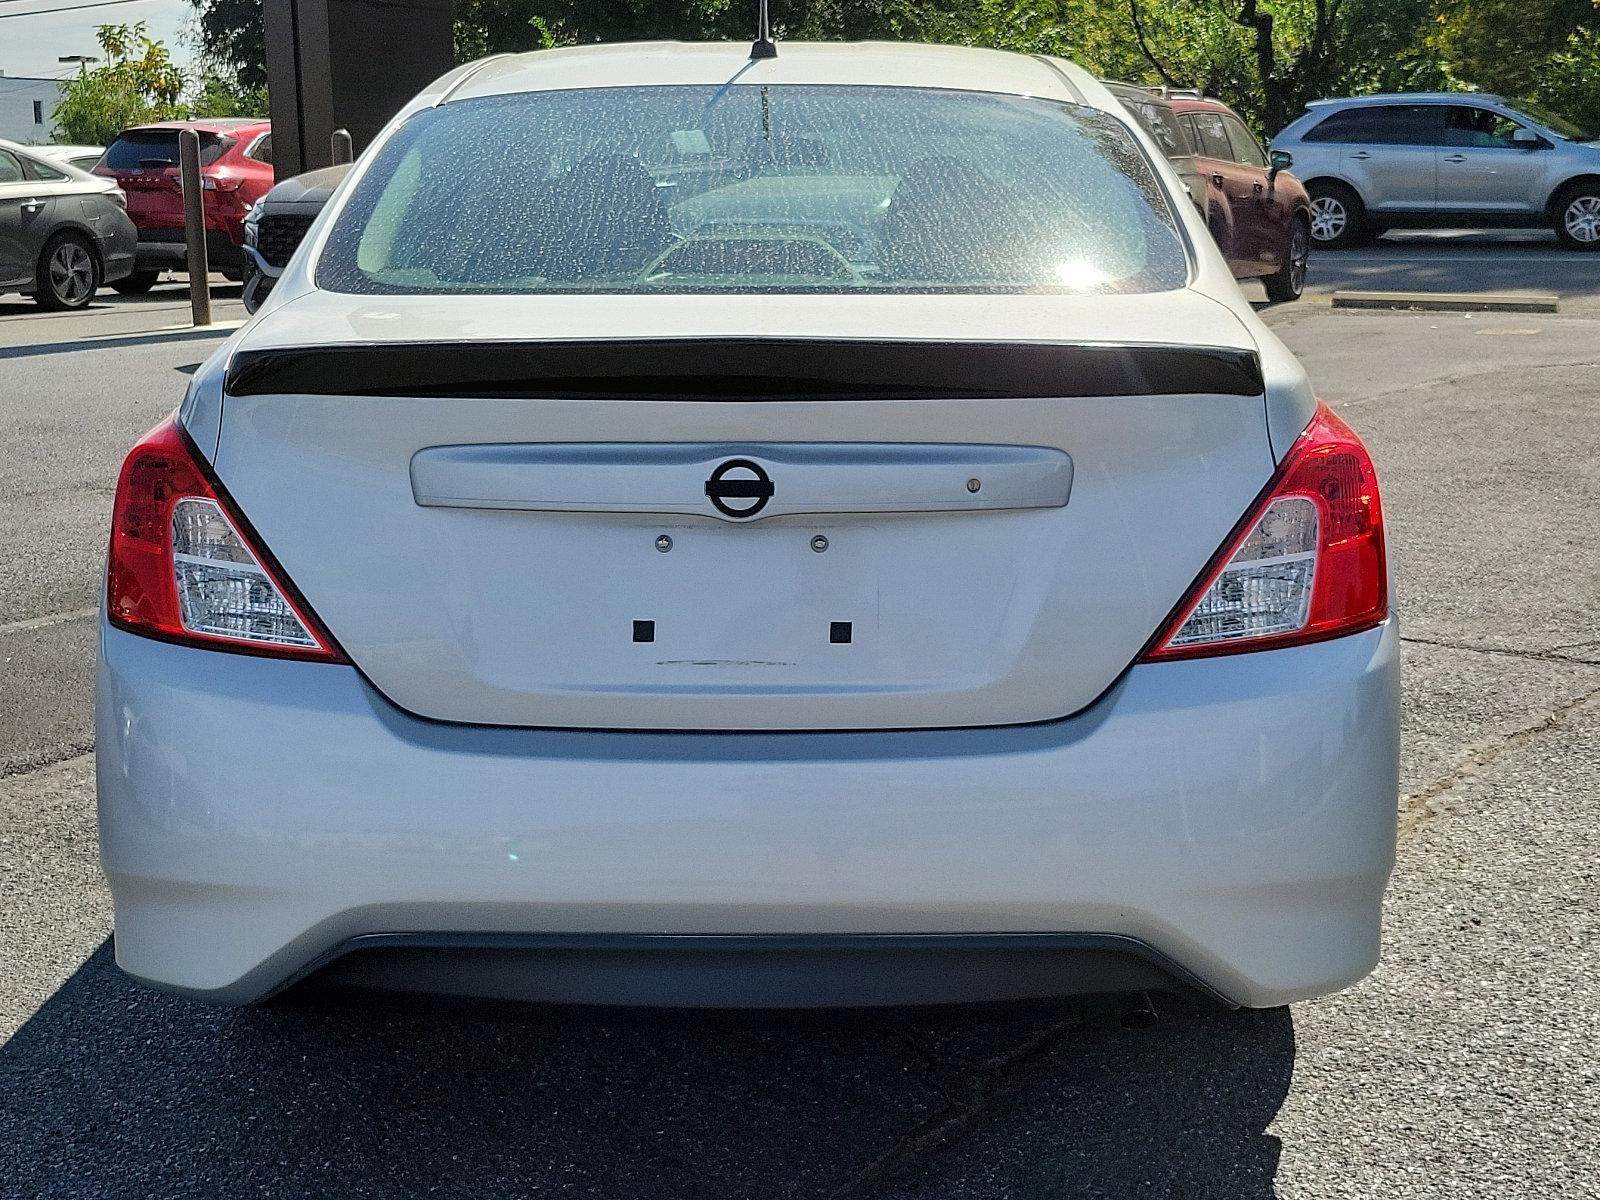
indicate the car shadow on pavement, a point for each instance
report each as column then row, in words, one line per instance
column 110, row 1090
column 115, row 342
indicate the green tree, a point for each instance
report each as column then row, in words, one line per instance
column 1570, row 82
column 1504, row 45
column 137, row 83
column 1268, row 57
column 221, row 97
column 233, row 40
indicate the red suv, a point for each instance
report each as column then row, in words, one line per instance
column 1258, row 212
column 235, row 172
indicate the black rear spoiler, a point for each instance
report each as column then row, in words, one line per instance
column 747, row 369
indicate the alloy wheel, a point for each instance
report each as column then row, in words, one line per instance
column 1299, row 257
column 1328, row 218
column 1582, row 219
column 71, row 272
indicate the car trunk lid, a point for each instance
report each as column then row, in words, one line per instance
column 736, row 518
column 144, row 163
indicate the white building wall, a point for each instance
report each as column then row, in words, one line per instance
column 28, row 108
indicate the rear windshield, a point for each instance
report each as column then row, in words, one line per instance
column 158, row 148
column 752, row 188
column 1162, row 124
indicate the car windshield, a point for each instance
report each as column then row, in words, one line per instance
column 756, row 188
column 1559, row 126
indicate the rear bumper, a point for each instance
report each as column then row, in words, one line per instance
column 118, row 246
column 166, row 250
column 1228, row 822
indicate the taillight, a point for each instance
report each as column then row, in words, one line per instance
column 184, row 565
column 1306, row 563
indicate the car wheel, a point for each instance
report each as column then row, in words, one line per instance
column 1577, row 220
column 138, row 283
column 68, row 273
column 1337, row 216
column 1290, row 279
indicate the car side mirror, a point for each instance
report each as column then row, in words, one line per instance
column 1281, row 160
column 1527, row 139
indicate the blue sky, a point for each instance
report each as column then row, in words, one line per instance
column 30, row 45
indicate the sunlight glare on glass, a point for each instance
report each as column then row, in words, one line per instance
column 1080, row 275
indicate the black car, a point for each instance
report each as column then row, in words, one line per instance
column 277, row 225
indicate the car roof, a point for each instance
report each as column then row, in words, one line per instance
column 886, row 64
column 204, row 125
column 20, row 148
column 1406, row 98
column 1134, row 91
column 1185, row 104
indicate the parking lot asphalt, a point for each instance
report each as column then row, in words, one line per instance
column 1462, row 260
column 1464, row 1067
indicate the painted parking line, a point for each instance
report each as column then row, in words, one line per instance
column 1488, row 258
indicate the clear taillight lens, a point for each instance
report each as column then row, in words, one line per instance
column 222, row 590
column 1266, row 587
column 181, row 566
column 1309, row 562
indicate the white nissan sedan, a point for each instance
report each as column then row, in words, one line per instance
column 694, row 529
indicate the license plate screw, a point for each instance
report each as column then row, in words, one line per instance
column 974, row 485
column 819, row 543
column 663, row 543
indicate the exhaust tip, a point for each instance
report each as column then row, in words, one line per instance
column 1140, row 1012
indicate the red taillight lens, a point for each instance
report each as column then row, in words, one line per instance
column 1307, row 562
column 183, row 565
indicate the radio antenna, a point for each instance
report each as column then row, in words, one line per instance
column 763, row 46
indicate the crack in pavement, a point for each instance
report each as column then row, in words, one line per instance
column 76, row 614
column 970, row 1097
column 1457, row 377
column 1420, row 806
column 1549, row 655
column 23, row 764
column 1575, row 645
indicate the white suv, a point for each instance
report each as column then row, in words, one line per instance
column 1443, row 159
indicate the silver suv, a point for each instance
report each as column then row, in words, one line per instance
column 1443, row 159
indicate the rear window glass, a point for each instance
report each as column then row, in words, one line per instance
column 1387, row 124
column 1162, row 124
column 749, row 188
column 43, row 170
column 158, row 148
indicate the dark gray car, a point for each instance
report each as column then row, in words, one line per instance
column 63, row 232
column 278, row 223
column 1172, row 135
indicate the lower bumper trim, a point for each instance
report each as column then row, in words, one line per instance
column 749, row 970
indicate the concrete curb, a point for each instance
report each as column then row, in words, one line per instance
column 1523, row 302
